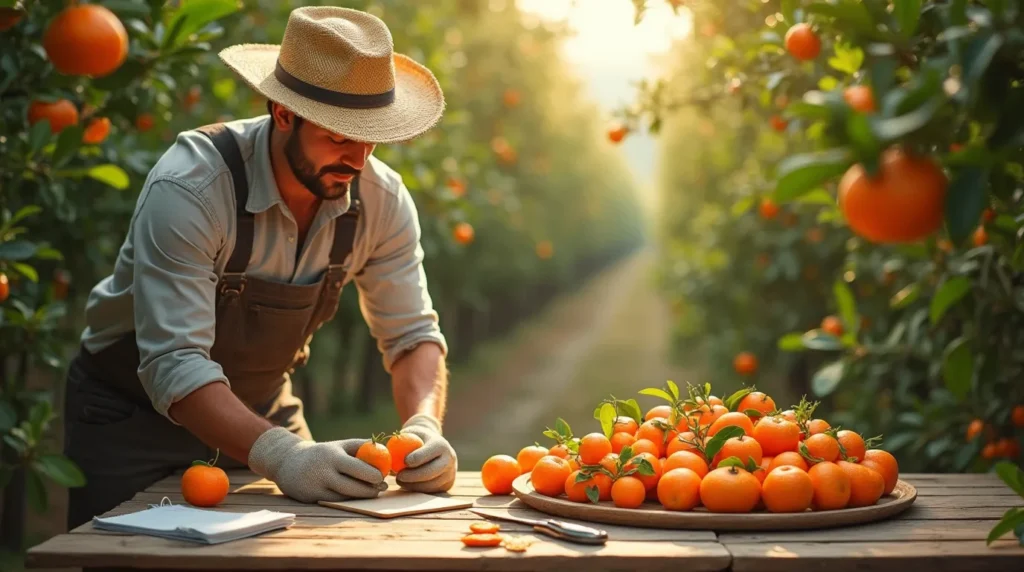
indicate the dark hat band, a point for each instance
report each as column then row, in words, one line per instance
column 330, row 97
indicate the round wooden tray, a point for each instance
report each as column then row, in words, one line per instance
column 652, row 515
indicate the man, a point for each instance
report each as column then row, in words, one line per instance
column 241, row 241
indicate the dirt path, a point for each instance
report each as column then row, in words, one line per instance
column 609, row 338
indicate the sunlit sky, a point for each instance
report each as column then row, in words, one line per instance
column 610, row 54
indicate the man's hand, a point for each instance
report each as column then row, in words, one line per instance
column 308, row 471
column 432, row 467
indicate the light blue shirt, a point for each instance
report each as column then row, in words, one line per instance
column 183, row 232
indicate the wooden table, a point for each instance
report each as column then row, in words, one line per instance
column 944, row 530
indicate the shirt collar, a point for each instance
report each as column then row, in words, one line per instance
column 263, row 190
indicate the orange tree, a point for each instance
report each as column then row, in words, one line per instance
column 902, row 136
column 517, row 198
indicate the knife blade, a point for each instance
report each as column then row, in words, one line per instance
column 554, row 528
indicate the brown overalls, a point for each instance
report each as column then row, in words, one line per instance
column 263, row 330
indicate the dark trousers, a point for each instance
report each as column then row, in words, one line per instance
column 122, row 446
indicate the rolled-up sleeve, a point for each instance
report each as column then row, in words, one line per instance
column 176, row 238
column 394, row 298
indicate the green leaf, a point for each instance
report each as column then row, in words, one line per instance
column 847, row 306
column 715, row 443
column 8, row 417
column 68, row 143
column 733, row 461
column 111, row 175
column 655, row 392
column 905, row 297
column 223, row 89
column 820, row 340
column 26, row 271
column 907, row 13
column 951, row 292
column 848, row 12
column 25, row 212
column 827, row 378
column 593, row 494
column 673, row 389
column 741, row 206
column 958, row 367
column 61, row 470
column 1012, row 518
column 733, row 400
column 1012, row 475
column 807, row 110
column 903, row 125
column 800, row 174
column 818, row 197
column 562, row 428
column 38, row 136
column 36, row 491
column 847, row 59
column 978, row 56
column 965, row 200
column 608, row 419
column 791, row 342
column 198, row 13
column 631, row 408
column 958, row 12
column 17, row 250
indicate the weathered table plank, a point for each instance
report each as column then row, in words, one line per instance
column 88, row 550
column 960, row 556
column 943, row 530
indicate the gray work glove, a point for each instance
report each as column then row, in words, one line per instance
column 432, row 467
column 308, row 471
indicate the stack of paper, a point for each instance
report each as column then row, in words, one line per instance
column 196, row 525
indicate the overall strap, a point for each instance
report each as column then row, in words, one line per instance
column 345, row 227
column 225, row 143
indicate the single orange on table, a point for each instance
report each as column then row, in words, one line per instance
column 679, row 489
column 757, row 401
column 628, row 492
column 593, row 448
column 776, row 435
column 787, row 489
column 831, row 486
column 822, row 446
column 742, row 447
column 204, row 484
column 789, row 458
column 498, row 472
column 400, row 445
column 730, row 489
column 852, row 443
column 529, row 455
column 733, row 418
column 549, row 474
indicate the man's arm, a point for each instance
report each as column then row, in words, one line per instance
column 176, row 236
column 419, row 381
column 396, row 304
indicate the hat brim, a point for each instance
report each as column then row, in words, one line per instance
column 418, row 105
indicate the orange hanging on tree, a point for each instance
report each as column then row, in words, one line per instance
column 802, row 43
column 86, row 39
column 463, row 233
column 903, row 203
column 617, row 133
column 860, row 98
column 61, row 113
column 745, row 363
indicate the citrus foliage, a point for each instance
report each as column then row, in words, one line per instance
column 518, row 197
column 889, row 134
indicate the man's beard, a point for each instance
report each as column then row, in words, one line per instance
column 312, row 179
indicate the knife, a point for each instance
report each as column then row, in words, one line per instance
column 555, row 528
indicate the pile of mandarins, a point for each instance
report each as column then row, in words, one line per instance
column 735, row 456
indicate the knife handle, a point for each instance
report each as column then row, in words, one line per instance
column 571, row 532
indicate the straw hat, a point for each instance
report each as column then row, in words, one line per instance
column 336, row 67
